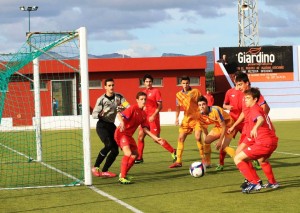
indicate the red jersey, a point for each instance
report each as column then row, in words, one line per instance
column 233, row 97
column 246, row 111
column 153, row 96
column 133, row 117
column 266, row 132
column 210, row 99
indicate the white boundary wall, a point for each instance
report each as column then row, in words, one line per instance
column 166, row 118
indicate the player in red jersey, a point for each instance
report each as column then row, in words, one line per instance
column 232, row 103
column 152, row 109
column 130, row 119
column 262, row 132
column 209, row 97
column 243, row 84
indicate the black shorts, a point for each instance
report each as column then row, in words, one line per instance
column 105, row 130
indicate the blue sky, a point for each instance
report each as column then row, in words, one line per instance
column 143, row 28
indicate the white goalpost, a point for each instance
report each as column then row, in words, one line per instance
column 43, row 145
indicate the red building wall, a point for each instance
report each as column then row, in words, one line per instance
column 126, row 73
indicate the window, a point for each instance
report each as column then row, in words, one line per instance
column 193, row 81
column 156, row 82
column 43, row 85
column 95, row 84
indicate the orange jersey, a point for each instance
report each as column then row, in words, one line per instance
column 215, row 116
column 188, row 101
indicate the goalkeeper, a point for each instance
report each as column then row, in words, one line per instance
column 105, row 110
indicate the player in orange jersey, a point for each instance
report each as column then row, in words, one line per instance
column 187, row 99
column 222, row 121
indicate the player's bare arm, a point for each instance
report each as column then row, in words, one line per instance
column 121, row 125
column 222, row 135
column 156, row 112
column 259, row 122
column 154, row 137
column 177, row 112
column 266, row 108
column 227, row 106
column 237, row 122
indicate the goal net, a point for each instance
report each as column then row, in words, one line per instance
column 44, row 112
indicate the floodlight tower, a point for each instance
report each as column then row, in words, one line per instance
column 29, row 9
column 248, row 23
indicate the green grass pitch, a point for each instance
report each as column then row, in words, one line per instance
column 157, row 188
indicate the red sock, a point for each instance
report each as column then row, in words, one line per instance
column 124, row 165
column 253, row 171
column 222, row 155
column 246, row 171
column 130, row 163
column 267, row 168
column 167, row 146
column 140, row 145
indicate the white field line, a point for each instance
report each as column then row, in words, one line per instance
column 44, row 164
column 74, row 178
column 285, row 153
column 115, row 199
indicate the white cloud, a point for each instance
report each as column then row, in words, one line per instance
column 170, row 25
column 138, row 50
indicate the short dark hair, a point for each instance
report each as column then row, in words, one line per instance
column 202, row 98
column 241, row 76
column 254, row 92
column 185, row 78
column 140, row 94
column 147, row 76
column 108, row 80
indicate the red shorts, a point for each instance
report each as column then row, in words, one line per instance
column 125, row 140
column 238, row 128
column 246, row 140
column 243, row 139
column 154, row 126
column 259, row 150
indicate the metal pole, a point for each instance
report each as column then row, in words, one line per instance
column 29, row 20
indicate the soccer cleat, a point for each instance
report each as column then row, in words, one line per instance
column 220, row 168
column 138, row 161
column 174, row 156
column 271, row 185
column 251, row 187
column 96, row 171
column 208, row 166
column 256, row 165
column 175, row 165
column 128, row 177
column 124, row 181
column 245, row 184
column 107, row 174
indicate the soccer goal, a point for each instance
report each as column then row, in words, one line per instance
column 44, row 112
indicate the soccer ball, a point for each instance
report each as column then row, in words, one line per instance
column 197, row 169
